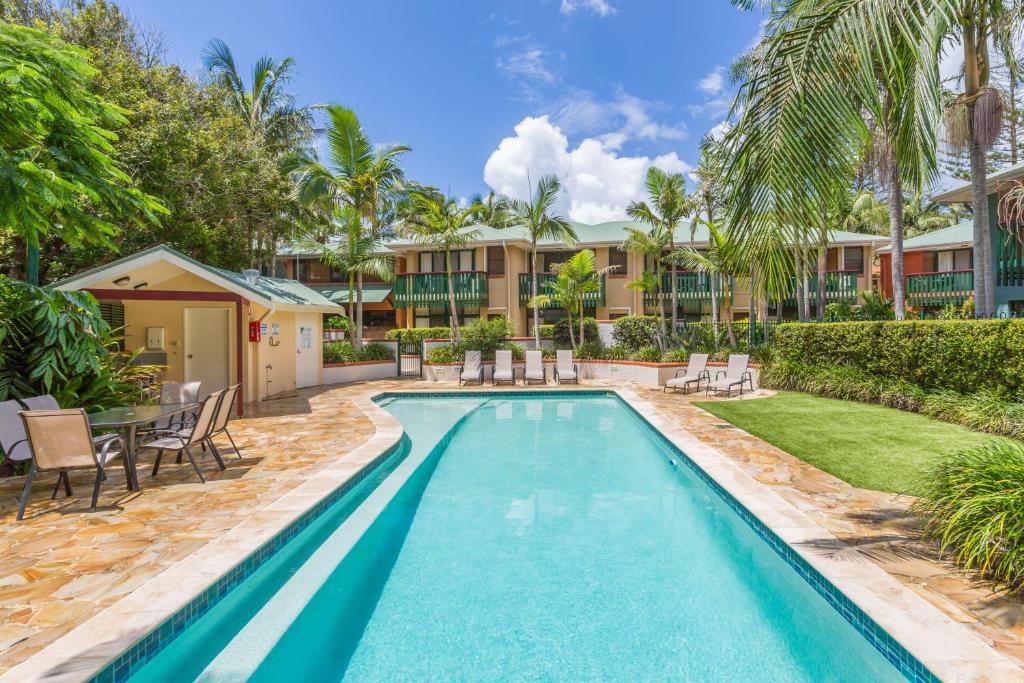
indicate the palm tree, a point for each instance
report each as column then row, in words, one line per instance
column 725, row 259
column 651, row 245
column 268, row 110
column 576, row 278
column 441, row 224
column 357, row 175
column 830, row 70
column 493, row 210
column 668, row 207
column 540, row 223
column 356, row 254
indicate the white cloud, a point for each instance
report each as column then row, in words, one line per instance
column 601, row 8
column 624, row 117
column 712, row 108
column 529, row 63
column 714, row 82
column 598, row 182
column 718, row 132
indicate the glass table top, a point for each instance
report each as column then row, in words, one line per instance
column 136, row 415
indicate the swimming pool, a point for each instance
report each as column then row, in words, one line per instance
column 541, row 537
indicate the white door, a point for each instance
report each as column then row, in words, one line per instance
column 307, row 360
column 207, row 344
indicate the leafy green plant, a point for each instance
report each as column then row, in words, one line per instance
column 546, row 331
column 676, row 356
column 337, row 322
column 617, row 352
column 839, row 312
column 416, row 335
column 487, row 335
column 560, row 332
column 636, row 331
column 972, row 503
column 57, row 343
column 590, row 349
column 446, row 353
column 646, row 354
column 345, row 352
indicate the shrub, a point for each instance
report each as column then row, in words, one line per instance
column 547, row 352
column 487, row 335
column 345, row 352
column 839, row 312
column 972, row 503
column 985, row 410
column 617, row 352
column 416, row 335
column 446, row 353
column 57, row 343
column 561, row 332
column 636, row 331
column 964, row 356
column 676, row 356
column 646, row 354
column 337, row 322
column 546, row 331
column 590, row 349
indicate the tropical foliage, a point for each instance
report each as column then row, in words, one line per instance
column 574, row 280
column 345, row 352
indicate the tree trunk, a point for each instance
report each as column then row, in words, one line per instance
column 894, row 187
column 358, row 336
column 349, row 309
column 456, row 337
column 583, row 319
column 533, row 294
column 801, row 291
column 572, row 336
column 984, row 294
column 713, row 287
column 661, row 298
column 822, row 277
column 675, row 285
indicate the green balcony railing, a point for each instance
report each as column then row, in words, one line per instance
column 1009, row 258
column 690, row 288
column 430, row 290
column 590, row 299
column 940, row 289
column 840, row 287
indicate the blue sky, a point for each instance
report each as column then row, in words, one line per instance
column 491, row 93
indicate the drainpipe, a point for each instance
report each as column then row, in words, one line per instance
column 508, row 280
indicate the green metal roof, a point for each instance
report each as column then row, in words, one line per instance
column 951, row 236
column 373, row 293
column 270, row 289
column 962, row 193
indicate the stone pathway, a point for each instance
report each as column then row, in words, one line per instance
column 62, row 564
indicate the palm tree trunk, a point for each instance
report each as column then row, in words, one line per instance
column 533, row 295
column 661, row 298
column 822, row 277
column 727, row 307
column 572, row 336
column 456, row 337
column 349, row 313
column 801, row 291
column 675, row 285
column 984, row 297
column 359, row 311
column 583, row 319
column 713, row 287
column 894, row 187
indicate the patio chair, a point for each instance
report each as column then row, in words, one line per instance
column 695, row 372
column 535, row 370
column 503, row 372
column 184, row 440
column 471, row 369
column 565, row 369
column 220, row 422
column 44, row 402
column 13, row 439
column 735, row 374
column 61, row 441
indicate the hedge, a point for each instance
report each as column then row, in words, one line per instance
column 415, row 335
column 963, row 356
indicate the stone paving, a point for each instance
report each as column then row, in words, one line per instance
column 63, row 565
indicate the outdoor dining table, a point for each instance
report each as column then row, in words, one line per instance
column 127, row 420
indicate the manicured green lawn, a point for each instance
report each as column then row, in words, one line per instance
column 869, row 446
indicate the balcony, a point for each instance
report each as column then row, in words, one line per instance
column 430, row 290
column 1009, row 258
column 691, row 288
column 840, row 287
column 590, row 299
column 940, row 289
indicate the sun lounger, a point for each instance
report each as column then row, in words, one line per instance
column 471, row 370
column 535, row 370
column 734, row 375
column 565, row 369
column 503, row 373
column 695, row 372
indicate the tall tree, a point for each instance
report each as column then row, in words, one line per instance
column 652, row 245
column 57, row 174
column 493, row 210
column 442, row 225
column 575, row 279
column 357, row 174
column 668, row 207
column 268, row 110
column 538, row 219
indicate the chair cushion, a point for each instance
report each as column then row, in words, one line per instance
column 567, row 374
column 534, row 374
column 682, row 381
column 501, row 375
column 470, row 375
column 168, row 442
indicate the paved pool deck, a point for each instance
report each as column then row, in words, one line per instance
column 62, row 565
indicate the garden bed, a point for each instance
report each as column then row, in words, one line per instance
column 358, row 371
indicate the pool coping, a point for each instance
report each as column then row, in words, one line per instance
column 948, row 650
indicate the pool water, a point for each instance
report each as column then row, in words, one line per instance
column 544, row 538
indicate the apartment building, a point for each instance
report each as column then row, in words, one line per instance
column 492, row 278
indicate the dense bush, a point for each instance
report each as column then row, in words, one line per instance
column 456, row 353
column 590, row 349
column 676, row 356
column 636, row 331
column 964, row 356
column 561, row 332
column 337, row 322
column 646, row 354
column 972, row 503
column 617, row 352
column 344, row 352
column 984, row 410
column 416, row 335
column 546, row 331
column 58, row 343
column 487, row 335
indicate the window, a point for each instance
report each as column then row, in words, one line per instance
column 426, row 317
column 945, row 262
column 963, row 259
column 495, row 261
column 618, row 258
column 434, row 261
column 853, row 259
column 832, row 259
column 548, row 259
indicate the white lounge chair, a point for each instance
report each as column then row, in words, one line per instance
column 565, row 369
column 471, row 370
column 695, row 372
column 535, row 370
column 503, row 373
column 735, row 374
